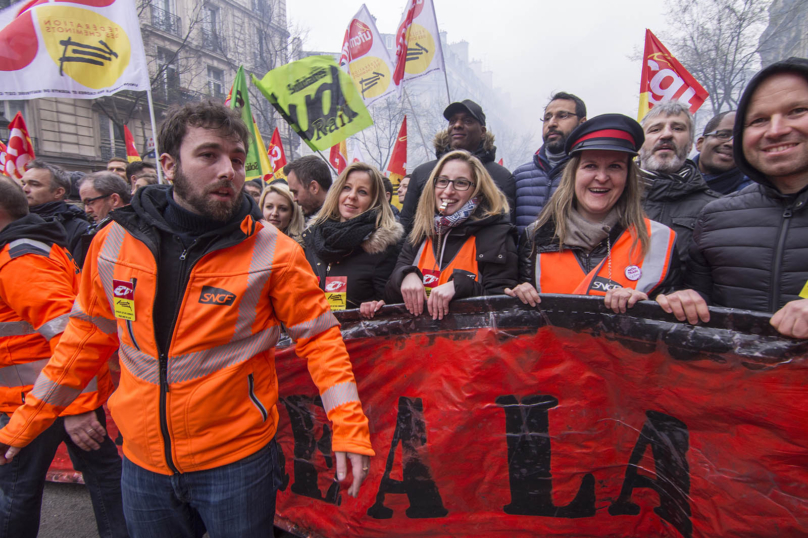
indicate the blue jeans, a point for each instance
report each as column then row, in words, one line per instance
column 23, row 480
column 233, row 501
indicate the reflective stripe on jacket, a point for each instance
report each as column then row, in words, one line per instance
column 212, row 400
column 560, row 272
column 465, row 260
column 38, row 285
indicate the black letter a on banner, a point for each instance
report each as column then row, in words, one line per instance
column 417, row 483
column 529, row 452
column 669, row 440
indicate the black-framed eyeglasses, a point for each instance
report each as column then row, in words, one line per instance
column 89, row 201
column 726, row 136
column 458, row 184
column 560, row 116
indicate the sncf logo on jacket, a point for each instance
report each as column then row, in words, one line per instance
column 217, row 296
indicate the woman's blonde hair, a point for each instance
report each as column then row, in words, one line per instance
column 629, row 205
column 295, row 227
column 492, row 201
column 330, row 209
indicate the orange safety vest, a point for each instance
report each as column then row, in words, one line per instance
column 560, row 272
column 38, row 284
column 434, row 276
column 211, row 400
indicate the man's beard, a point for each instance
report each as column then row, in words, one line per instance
column 218, row 211
column 557, row 145
column 649, row 161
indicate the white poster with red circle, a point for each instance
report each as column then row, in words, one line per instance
column 366, row 59
column 81, row 49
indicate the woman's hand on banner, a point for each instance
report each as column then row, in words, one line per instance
column 686, row 305
column 438, row 303
column 792, row 319
column 360, row 467
column 414, row 294
column 369, row 309
column 525, row 292
column 619, row 299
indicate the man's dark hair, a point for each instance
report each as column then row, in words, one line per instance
column 108, row 183
column 580, row 107
column 137, row 166
column 59, row 177
column 712, row 125
column 205, row 114
column 310, row 168
column 12, row 199
column 388, row 186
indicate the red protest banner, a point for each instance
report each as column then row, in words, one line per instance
column 560, row 422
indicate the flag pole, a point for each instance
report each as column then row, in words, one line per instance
column 159, row 166
column 446, row 78
column 417, row 123
column 320, row 153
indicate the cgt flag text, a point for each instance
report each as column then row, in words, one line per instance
column 665, row 79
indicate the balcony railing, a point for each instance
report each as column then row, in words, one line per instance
column 213, row 40
column 174, row 95
column 165, row 21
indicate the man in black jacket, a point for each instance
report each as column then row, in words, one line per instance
column 748, row 249
column 675, row 191
column 466, row 131
column 46, row 186
column 715, row 160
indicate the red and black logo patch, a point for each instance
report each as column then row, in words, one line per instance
column 217, row 296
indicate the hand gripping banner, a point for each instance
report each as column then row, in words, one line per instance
column 567, row 420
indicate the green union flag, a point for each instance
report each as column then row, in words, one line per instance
column 318, row 99
column 257, row 163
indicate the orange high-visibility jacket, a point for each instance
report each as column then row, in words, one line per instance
column 464, row 260
column 560, row 272
column 212, row 400
column 38, row 284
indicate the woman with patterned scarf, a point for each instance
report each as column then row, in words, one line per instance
column 462, row 243
column 593, row 238
column 354, row 241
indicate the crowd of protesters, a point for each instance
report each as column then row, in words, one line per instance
column 608, row 206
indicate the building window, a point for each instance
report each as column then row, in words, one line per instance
column 164, row 17
column 212, row 35
column 215, row 83
column 168, row 81
column 113, row 143
column 8, row 110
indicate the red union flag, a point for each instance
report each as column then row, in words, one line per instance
column 665, row 79
column 3, row 157
column 132, row 154
column 418, row 46
column 277, row 157
column 397, row 167
column 339, row 156
column 20, row 149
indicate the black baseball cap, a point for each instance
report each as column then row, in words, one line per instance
column 609, row 132
column 466, row 105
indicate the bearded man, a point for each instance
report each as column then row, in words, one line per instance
column 675, row 189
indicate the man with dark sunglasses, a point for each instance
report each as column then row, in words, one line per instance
column 715, row 160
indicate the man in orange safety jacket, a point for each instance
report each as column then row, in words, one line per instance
column 193, row 286
column 38, row 284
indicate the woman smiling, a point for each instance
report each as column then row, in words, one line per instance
column 279, row 208
column 462, row 243
column 593, row 237
column 354, row 241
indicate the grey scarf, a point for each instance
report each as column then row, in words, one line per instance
column 587, row 235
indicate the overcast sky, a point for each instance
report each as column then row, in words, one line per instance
column 533, row 47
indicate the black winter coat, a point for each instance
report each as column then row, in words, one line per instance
column 496, row 258
column 73, row 219
column 677, row 205
column 542, row 240
column 487, row 153
column 367, row 267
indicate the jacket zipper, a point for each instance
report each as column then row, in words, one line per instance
column 255, row 399
column 129, row 322
column 778, row 258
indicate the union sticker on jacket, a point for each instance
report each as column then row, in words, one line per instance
column 123, row 297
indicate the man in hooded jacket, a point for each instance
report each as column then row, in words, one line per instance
column 748, row 249
column 466, row 131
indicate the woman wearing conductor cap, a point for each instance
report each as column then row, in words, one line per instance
column 592, row 238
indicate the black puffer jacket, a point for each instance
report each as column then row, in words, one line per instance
column 487, row 153
column 542, row 240
column 750, row 249
column 497, row 266
column 367, row 267
column 677, row 204
column 73, row 219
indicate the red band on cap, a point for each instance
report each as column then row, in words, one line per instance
column 607, row 133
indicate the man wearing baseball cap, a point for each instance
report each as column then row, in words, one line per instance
column 466, row 131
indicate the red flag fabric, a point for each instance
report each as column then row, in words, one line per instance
column 3, row 157
column 397, row 167
column 132, row 154
column 500, row 163
column 277, row 157
column 20, row 149
column 339, row 156
column 402, row 40
column 665, row 79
